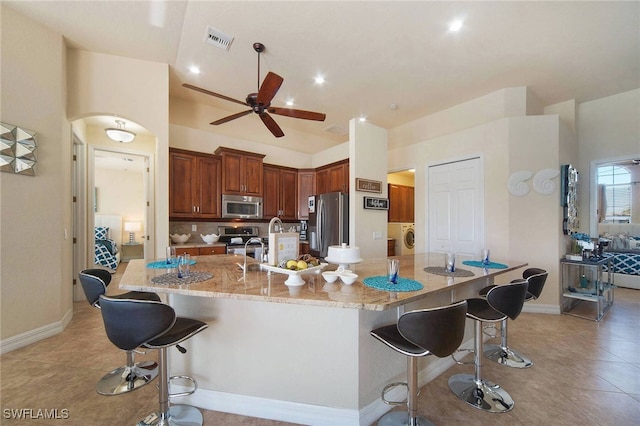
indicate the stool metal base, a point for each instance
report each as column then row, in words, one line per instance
column 482, row 395
column 506, row 356
column 179, row 415
column 401, row 418
column 126, row 379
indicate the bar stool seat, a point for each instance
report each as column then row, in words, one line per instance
column 133, row 375
column 502, row 353
column 438, row 331
column 502, row 302
column 132, row 323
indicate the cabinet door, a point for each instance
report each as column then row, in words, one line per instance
column 336, row 179
column 306, row 188
column 253, row 176
column 270, row 201
column 232, row 182
column 209, row 187
column 322, row 181
column 288, row 194
column 181, row 191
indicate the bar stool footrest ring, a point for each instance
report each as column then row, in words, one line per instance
column 389, row 387
column 185, row 393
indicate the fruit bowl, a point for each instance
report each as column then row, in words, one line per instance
column 295, row 276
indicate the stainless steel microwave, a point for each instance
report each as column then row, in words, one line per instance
column 241, row 207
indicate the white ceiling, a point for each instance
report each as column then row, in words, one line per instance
column 372, row 54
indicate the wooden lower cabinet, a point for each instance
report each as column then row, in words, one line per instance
column 201, row 251
column 391, row 247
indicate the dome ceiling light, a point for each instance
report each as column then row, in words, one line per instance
column 120, row 134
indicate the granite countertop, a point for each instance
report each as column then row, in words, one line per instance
column 229, row 282
column 197, row 244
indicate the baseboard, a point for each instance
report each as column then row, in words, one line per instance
column 307, row 414
column 536, row 308
column 24, row 339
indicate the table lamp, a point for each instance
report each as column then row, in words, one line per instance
column 132, row 228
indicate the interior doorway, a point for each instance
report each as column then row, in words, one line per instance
column 401, row 213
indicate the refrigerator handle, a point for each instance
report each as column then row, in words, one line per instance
column 320, row 223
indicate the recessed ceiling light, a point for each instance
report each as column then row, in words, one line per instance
column 393, row 107
column 319, row 80
column 456, row 25
column 362, row 119
column 289, row 102
column 194, row 70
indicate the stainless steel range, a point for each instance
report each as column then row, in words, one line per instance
column 236, row 238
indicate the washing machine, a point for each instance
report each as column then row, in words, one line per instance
column 404, row 235
column 408, row 238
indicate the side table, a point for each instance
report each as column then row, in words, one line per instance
column 130, row 251
column 585, row 290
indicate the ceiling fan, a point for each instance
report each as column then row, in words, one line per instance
column 260, row 102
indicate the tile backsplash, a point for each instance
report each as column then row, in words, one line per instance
column 206, row 228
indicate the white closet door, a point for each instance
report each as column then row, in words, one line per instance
column 455, row 207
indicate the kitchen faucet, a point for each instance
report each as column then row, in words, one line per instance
column 253, row 239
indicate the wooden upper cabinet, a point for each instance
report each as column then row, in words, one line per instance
column 194, row 185
column 401, row 203
column 333, row 178
column 242, row 172
column 306, row 188
column 280, row 192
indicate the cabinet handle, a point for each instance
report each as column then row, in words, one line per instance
column 193, row 209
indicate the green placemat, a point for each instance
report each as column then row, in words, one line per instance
column 172, row 278
column 479, row 264
column 440, row 270
column 404, row 284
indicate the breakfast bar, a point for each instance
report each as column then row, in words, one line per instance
column 301, row 354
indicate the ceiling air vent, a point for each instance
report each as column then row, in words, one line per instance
column 337, row 129
column 218, row 38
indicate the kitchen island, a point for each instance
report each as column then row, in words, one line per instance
column 301, row 354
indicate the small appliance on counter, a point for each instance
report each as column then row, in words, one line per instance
column 303, row 230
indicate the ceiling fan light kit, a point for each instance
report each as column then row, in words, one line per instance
column 260, row 102
column 120, row 134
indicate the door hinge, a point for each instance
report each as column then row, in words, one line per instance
column 75, row 240
column 74, row 281
column 147, row 170
column 74, row 157
column 75, row 199
column 148, row 204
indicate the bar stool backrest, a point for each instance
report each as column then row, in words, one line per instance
column 536, row 277
column 131, row 323
column 508, row 299
column 438, row 330
column 94, row 284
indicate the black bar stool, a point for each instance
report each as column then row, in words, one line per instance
column 131, row 323
column 501, row 302
column 438, row 331
column 502, row 353
column 133, row 375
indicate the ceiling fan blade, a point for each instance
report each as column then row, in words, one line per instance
column 298, row 113
column 271, row 125
column 231, row 117
column 210, row 93
column 269, row 88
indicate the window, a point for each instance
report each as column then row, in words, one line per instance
column 614, row 187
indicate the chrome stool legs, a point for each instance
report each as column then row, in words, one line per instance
column 409, row 417
column 504, row 355
column 171, row 415
column 474, row 390
column 128, row 378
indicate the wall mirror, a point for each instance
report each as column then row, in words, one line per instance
column 569, row 199
column 17, row 150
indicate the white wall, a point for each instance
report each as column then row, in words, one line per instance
column 367, row 160
column 35, row 258
column 136, row 90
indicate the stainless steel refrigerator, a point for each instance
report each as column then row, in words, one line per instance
column 328, row 222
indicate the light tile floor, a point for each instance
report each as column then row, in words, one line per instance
column 585, row 373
